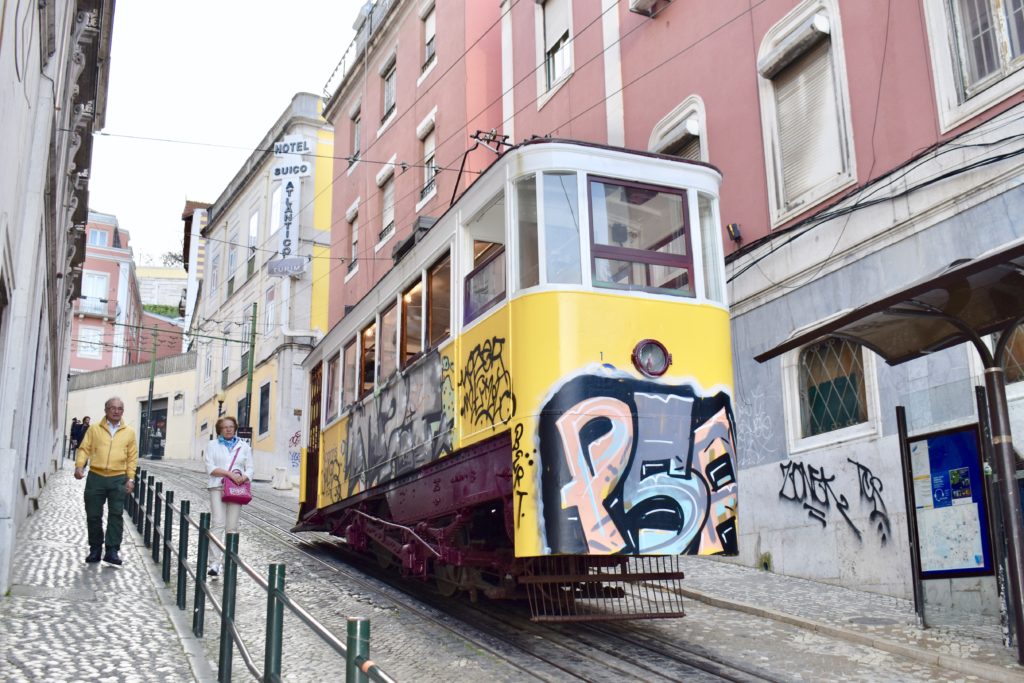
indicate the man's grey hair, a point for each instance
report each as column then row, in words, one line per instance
column 111, row 400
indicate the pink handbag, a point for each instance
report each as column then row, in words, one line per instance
column 236, row 493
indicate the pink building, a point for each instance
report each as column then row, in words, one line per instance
column 105, row 332
column 863, row 145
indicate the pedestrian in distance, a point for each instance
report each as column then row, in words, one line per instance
column 78, row 433
column 73, row 436
column 111, row 452
column 226, row 456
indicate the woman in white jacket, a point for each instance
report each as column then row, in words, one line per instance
column 220, row 453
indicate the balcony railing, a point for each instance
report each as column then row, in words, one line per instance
column 95, row 307
column 429, row 57
column 428, row 187
column 352, row 265
column 388, row 229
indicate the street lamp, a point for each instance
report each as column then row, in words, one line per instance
column 220, row 403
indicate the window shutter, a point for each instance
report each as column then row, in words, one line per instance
column 810, row 146
column 556, row 21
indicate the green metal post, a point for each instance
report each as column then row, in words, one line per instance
column 168, row 539
column 248, row 379
column 357, row 649
column 227, row 608
column 149, row 511
column 139, row 516
column 183, row 554
column 147, row 428
column 275, row 623
column 156, row 521
column 199, row 608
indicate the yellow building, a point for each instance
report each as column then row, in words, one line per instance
column 267, row 247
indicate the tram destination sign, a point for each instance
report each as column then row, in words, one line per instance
column 287, row 267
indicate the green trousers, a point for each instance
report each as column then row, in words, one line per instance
column 109, row 490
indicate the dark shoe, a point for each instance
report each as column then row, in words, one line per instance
column 112, row 558
column 94, row 555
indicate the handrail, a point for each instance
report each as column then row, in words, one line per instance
column 144, row 505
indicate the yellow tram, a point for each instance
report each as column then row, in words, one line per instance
column 539, row 391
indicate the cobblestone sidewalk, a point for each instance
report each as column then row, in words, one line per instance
column 65, row 620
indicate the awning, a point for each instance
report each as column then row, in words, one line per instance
column 963, row 302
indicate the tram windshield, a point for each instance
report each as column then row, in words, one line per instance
column 640, row 238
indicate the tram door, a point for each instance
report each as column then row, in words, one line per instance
column 312, row 459
column 155, row 438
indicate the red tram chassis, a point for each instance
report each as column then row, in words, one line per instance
column 452, row 521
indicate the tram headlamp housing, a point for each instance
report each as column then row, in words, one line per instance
column 651, row 358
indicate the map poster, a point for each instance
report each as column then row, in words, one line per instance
column 950, row 505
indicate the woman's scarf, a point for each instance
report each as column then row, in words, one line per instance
column 225, row 442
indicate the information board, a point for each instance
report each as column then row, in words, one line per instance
column 950, row 504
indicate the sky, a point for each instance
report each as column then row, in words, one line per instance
column 194, row 87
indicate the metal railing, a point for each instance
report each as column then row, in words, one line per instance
column 152, row 511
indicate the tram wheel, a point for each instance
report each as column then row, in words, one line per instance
column 449, row 578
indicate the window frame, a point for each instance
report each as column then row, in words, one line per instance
column 389, row 91
column 644, row 256
column 404, row 358
column 687, row 120
column 95, row 232
column 796, row 442
column 332, row 388
column 429, row 21
column 349, row 398
column 429, row 340
column 254, row 237
column 394, row 309
column 365, row 388
column 468, row 315
column 261, row 429
column 783, row 44
column 954, row 107
column 98, row 344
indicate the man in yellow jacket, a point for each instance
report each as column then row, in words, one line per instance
column 111, row 450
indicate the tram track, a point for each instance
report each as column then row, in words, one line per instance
column 539, row 651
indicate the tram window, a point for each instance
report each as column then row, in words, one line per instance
column 562, row 228
column 368, row 356
column 485, row 285
column 331, row 388
column 439, row 301
column 711, row 239
column 388, row 342
column 412, row 323
column 349, row 372
column 640, row 238
column 526, row 211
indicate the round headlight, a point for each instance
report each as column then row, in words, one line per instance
column 651, row 358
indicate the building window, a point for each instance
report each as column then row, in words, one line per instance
column 246, row 336
column 207, row 364
column 254, row 228
column 368, row 356
column 561, row 228
column 832, row 387
column 1014, row 362
column 429, row 30
column 243, row 411
column 354, row 249
column 387, row 209
column 641, row 238
column 412, row 323
column 275, row 209
column 990, row 40
column 388, row 80
column 439, row 301
column 388, row 342
column 804, row 102
column 214, row 273
column 349, row 374
column 557, row 57
column 681, row 132
column 331, row 387
column 356, row 144
column 429, row 166
column 95, row 288
column 269, row 310
column 264, row 416
column 90, row 342
column 232, row 261
column 98, row 238
column 225, row 357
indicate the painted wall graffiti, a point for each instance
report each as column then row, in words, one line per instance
column 813, row 489
column 486, row 385
column 405, row 425
column 635, row 466
column 295, row 451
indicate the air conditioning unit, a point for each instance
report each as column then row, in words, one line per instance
column 642, row 6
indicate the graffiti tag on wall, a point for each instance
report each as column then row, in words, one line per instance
column 812, row 488
column 636, row 466
column 486, row 384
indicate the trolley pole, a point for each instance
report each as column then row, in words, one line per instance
column 248, row 379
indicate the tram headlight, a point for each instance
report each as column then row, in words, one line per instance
column 651, row 358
